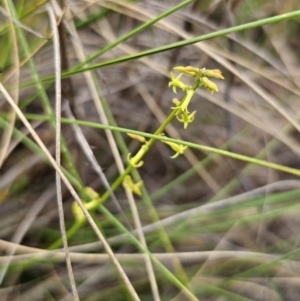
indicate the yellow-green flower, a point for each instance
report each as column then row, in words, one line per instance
column 186, row 118
column 133, row 161
column 178, row 148
column 136, row 161
column 176, row 83
column 133, row 187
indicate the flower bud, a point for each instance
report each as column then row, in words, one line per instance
column 137, row 137
column 216, row 73
column 209, row 85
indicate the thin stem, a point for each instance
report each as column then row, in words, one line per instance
column 57, row 65
column 268, row 164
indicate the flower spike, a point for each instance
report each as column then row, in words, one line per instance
column 201, row 75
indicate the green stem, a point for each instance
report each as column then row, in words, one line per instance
column 268, row 164
column 194, row 40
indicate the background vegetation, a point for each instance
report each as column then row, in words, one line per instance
column 215, row 227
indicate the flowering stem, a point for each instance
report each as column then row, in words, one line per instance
column 129, row 168
column 142, row 152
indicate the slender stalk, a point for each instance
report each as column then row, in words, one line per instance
column 57, row 66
